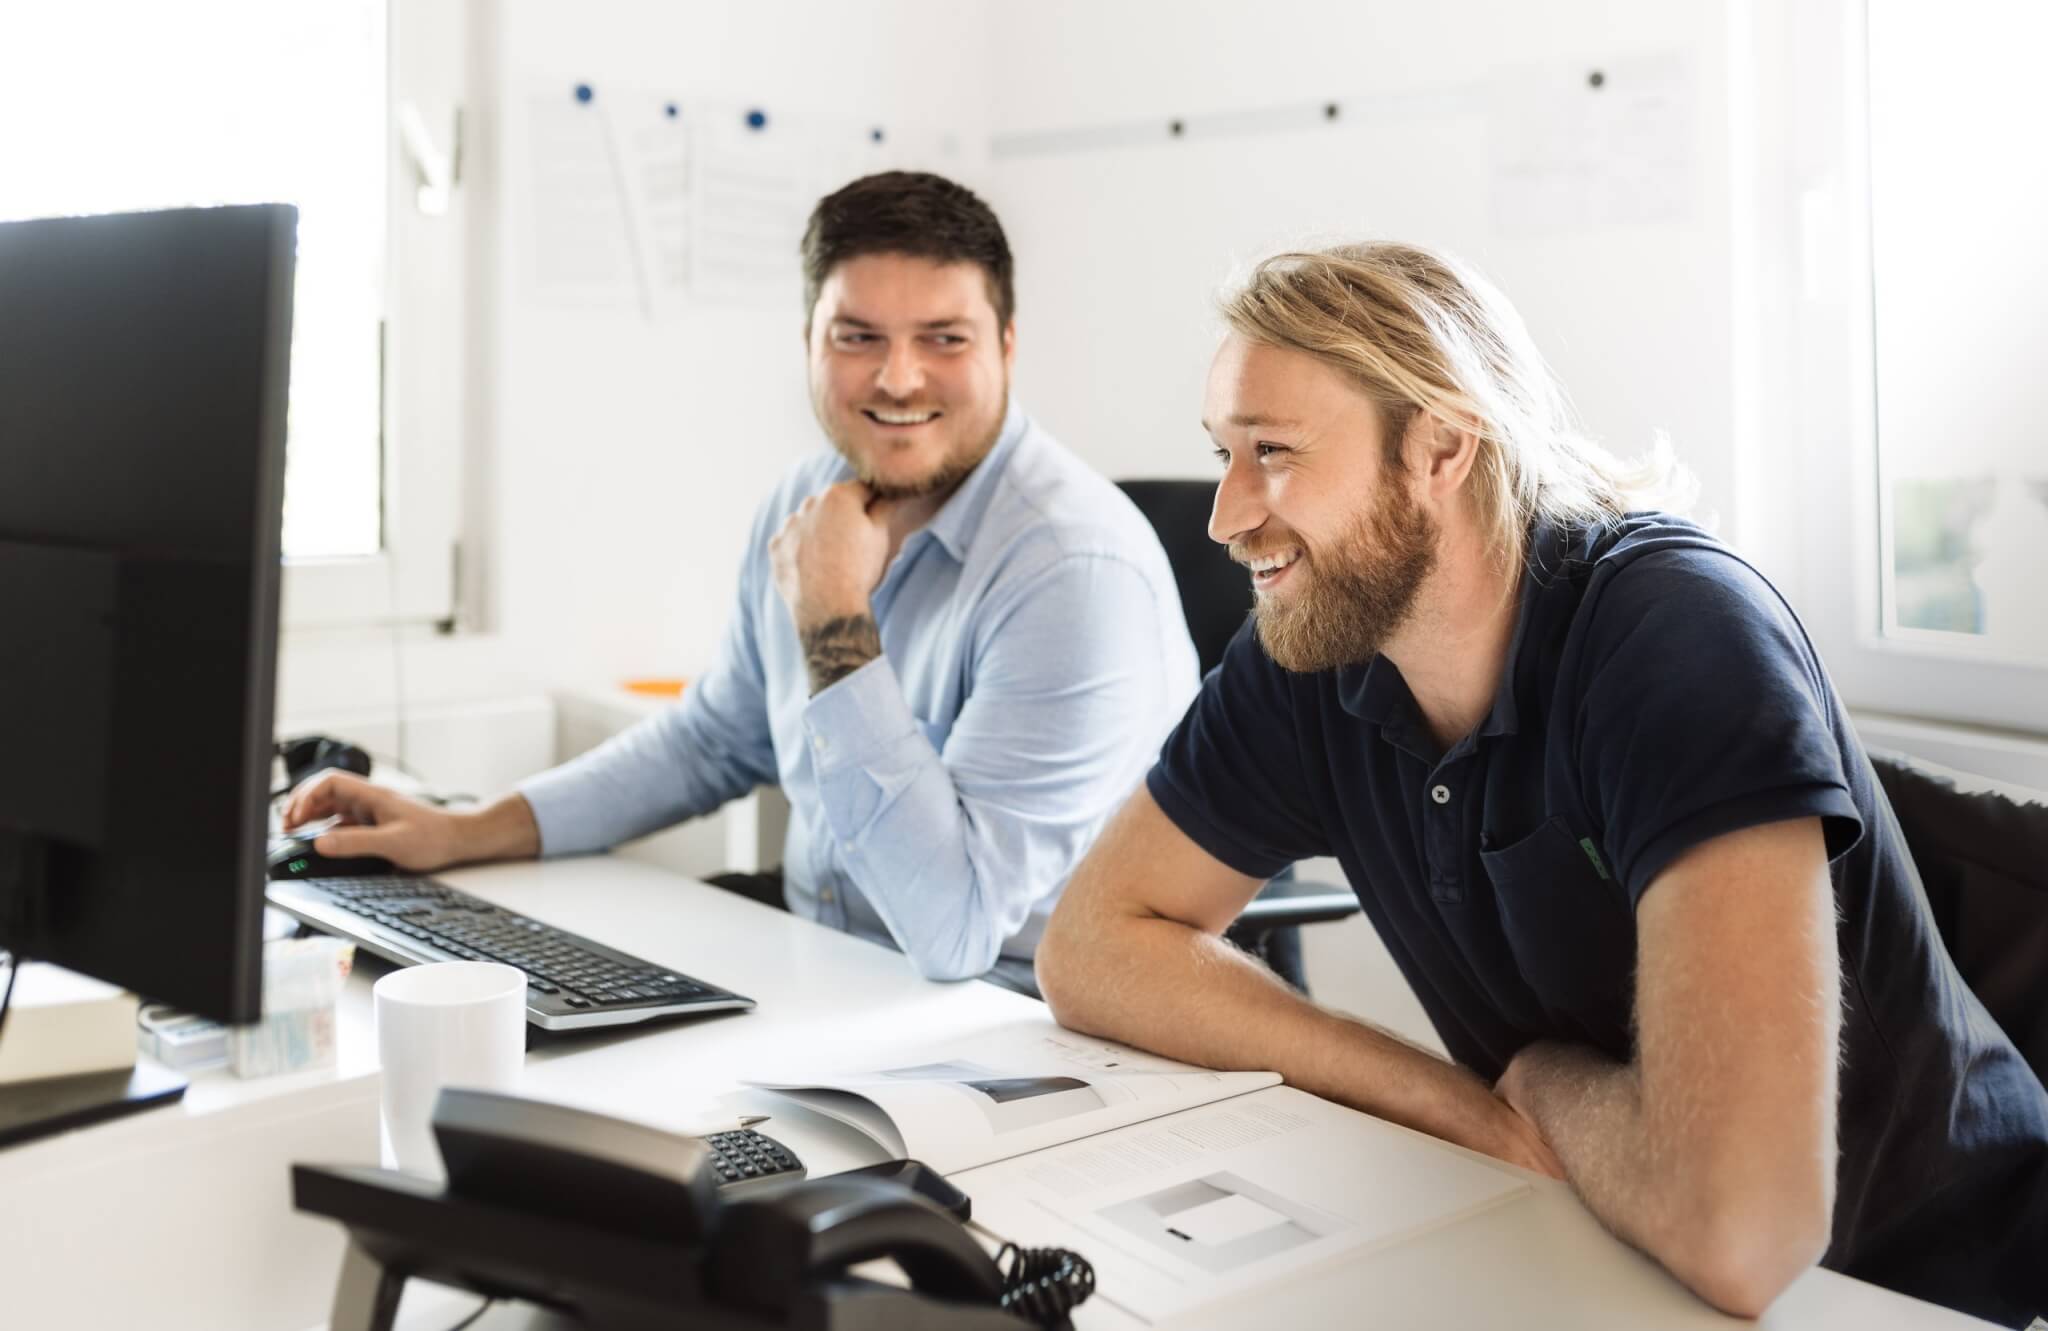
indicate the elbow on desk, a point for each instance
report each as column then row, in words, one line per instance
column 965, row 959
column 1742, row 1258
column 1056, row 969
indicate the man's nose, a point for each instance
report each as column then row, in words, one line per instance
column 1239, row 507
column 902, row 373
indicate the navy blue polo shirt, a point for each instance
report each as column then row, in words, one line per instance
column 1658, row 693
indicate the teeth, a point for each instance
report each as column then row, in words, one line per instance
column 903, row 417
column 1271, row 563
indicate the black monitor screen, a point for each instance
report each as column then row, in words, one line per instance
column 143, row 374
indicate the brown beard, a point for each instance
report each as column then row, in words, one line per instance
column 950, row 473
column 1357, row 592
column 955, row 469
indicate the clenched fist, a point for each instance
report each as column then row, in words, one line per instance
column 830, row 554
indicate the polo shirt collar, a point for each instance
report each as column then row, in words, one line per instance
column 1374, row 690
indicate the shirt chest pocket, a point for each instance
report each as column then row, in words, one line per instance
column 1570, row 929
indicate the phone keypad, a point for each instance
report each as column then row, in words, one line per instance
column 746, row 1156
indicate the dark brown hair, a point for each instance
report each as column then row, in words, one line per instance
column 908, row 212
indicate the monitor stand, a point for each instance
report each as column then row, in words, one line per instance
column 31, row 1109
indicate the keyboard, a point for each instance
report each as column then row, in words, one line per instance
column 572, row 982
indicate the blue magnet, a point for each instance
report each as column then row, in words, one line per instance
column 672, row 110
column 584, row 93
column 875, row 134
column 757, row 120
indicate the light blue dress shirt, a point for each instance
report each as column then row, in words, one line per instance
column 1034, row 657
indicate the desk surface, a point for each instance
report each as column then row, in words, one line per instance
column 190, row 1203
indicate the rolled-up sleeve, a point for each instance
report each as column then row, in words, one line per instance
column 953, row 846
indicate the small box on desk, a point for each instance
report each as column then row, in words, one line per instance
column 302, row 979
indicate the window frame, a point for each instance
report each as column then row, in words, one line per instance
column 412, row 577
column 1832, row 422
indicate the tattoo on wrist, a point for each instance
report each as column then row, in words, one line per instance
column 835, row 648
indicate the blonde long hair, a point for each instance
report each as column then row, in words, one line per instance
column 1419, row 331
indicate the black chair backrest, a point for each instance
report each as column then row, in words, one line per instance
column 1983, row 858
column 1215, row 593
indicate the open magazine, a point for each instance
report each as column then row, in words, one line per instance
column 1226, row 1201
column 1013, row 1089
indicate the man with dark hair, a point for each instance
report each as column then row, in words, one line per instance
column 956, row 647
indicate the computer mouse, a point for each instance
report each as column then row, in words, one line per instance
column 294, row 857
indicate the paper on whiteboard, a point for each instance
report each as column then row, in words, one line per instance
column 753, row 190
column 641, row 199
column 654, row 157
column 579, row 250
column 1568, row 154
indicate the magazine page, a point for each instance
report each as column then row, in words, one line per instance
column 1223, row 1200
column 1011, row 1089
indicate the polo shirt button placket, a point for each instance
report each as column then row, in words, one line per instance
column 1446, row 882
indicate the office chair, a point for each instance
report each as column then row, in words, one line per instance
column 1982, row 852
column 1216, row 595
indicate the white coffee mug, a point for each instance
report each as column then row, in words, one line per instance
column 450, row 1023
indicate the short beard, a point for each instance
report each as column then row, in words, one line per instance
column 954, row 470
column 959, row 464
column 1357, row 592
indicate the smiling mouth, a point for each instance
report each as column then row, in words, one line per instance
column 1267, row 570
column 899, row 420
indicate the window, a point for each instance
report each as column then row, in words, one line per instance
column 1897, row 167
column 129, row 104
column 1958, row 191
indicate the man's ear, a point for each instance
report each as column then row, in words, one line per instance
column 1010, row 345
column 1445, row 450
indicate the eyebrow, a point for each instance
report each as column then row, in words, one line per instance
column 929, row 325
column 1252, row 420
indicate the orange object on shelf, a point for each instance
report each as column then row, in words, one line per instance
column 656, row 688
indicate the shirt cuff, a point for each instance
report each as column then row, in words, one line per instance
column 560, row 813
column 857, row 719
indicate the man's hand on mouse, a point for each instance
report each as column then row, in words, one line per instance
column 376, row 820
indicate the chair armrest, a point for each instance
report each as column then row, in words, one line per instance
column 1285, row 901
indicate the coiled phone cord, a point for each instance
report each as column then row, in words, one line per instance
column 1043, row 1285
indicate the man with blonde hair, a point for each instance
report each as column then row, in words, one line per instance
column 1596, row 794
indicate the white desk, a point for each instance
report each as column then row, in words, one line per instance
column 181, row 1217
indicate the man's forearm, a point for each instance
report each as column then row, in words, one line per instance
column 503, row 830
column 1179, row 991
column 1647, row 1186
column 1589, row 1108
column 835, row 648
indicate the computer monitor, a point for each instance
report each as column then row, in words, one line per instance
column 143, row 371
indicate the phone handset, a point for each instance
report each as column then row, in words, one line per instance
column 771, row 1245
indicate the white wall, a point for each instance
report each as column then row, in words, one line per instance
column 1122, row 249
column 616, row 461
